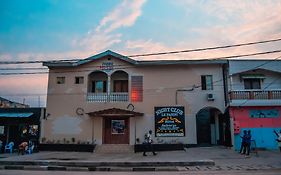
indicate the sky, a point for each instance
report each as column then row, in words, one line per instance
column 68, row 29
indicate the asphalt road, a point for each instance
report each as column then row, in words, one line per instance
column 259, row 172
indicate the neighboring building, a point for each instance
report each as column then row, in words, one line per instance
column 112, row 99
column 20, row 124
column 4, row 103
column 255, row 100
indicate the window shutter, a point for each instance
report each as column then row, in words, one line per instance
column 137, row 88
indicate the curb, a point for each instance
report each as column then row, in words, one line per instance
column 122, row 169
column 106, row 164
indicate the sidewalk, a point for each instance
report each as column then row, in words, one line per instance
column 205, row 157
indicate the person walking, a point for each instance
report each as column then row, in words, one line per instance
column 248, row 138
column 148, row 144
column 243, row 142
column 278, row 139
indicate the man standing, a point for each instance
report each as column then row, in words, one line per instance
column 148, row 144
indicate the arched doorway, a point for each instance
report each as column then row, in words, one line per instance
column 97, row 82
column 210, row 127
column 120, row 81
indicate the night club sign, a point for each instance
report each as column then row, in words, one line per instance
column 169, row 121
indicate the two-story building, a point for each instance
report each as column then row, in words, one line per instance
column 255, row 100
column 112, row 99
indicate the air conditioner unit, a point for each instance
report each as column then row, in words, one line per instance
column 210, row 97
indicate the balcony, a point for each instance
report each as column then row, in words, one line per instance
column 255, row 97
column 104, row 97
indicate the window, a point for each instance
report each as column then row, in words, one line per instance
column 137, row 89
column 252, row 83
column 120, row 86
column 207, row 82
column 79, row 80
column 60, row 80
column 99, row 86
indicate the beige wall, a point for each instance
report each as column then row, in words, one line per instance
column 159, row 89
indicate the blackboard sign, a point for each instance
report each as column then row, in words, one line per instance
column 169, row 121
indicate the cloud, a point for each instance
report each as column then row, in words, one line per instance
column 124, row 15
column 104, row 37
column 234, row 22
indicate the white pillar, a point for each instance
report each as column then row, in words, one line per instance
column 108, row 87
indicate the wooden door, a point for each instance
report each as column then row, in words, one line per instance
column 116, row 131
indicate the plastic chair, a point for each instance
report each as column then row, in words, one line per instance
column 29, row 150
column 9, row 147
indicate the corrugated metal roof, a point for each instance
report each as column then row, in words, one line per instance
column 17, row 115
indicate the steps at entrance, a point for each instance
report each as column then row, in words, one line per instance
column 114, row 148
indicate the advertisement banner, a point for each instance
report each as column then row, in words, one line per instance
column 169, row 121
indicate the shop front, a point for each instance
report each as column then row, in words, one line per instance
column 20, row 124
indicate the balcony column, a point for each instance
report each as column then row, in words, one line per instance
column 108, row 87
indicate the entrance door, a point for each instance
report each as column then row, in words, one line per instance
column 116, row 131
column 203, row 128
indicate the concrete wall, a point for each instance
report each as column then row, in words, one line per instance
column 272, row 80
column 261, row 128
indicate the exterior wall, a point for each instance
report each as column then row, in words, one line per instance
column 261, row 128
column 272, row 80
column 160, row 84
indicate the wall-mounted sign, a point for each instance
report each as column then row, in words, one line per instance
column 266, row 113
column 169, row 121
column 107, row 66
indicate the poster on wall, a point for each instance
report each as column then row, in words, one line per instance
column 169, row 121
column 266, row 113
column 117, row 126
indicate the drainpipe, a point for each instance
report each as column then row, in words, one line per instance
column 184, row 90
column 225, row 84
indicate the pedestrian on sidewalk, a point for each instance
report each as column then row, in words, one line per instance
column 148, row 144
column 248, row 138
column 23, row 147
column 278, row 139
column 243, row 142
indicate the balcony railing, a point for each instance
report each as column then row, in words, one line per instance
column 112, row 97
column 255, row 95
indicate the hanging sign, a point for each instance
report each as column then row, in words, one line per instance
column 169, row 121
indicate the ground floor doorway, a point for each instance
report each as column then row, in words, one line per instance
column 211, row 126
column 116, row 130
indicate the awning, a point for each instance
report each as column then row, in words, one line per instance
column 250, row 76
column 16, row 115
column 114, row 112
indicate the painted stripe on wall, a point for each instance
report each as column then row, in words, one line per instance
column 264, row 137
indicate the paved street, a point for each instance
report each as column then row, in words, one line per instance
column 267, row 172
column 224, row 160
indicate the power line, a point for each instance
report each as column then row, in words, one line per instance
column 207, row 48
column 128, row 67
column 152, row 54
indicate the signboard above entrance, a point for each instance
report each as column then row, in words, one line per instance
column 107, row 66
column 169, row 121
